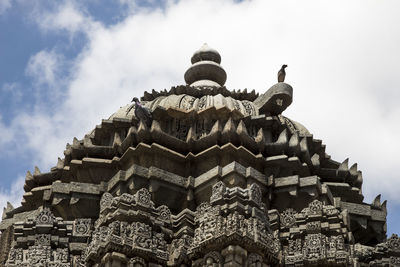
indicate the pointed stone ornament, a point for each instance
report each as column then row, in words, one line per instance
column 384, row 206
column 190, row 195
column 191, row 135
column 60, row 163
column 132, row 130
column 344, row 166
column 213, row 137
column 87, row 141
column 241, row 129
column 353, row 169
column 377, row 201
column 142, row 132
column 294, row 144
column 353, row 173
column 204, row 140
column 142, row 128
column 359, row 180
column 68, row 147
column 315, row 160
column 245, row 139
column 343, row 169
column 117, row 139
column 229, row 133
column 216, row 128
column 304, row 150
column 37, row 171
column 253, row 93
column 229, row 127
column 130, row 138
column 29, row 182
column 303, row 145
column 280, row 146
column 155, row 128
column 75, row 143
column 7, row 209
column 28, row 176
column 260, row 140
column 283, row 137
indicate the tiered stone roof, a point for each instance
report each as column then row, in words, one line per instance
column 219, row 178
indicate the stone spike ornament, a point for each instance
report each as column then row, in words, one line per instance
column 198, row 175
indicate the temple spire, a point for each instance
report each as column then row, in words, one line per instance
column 206, row 69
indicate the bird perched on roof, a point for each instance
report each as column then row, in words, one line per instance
column 142, row 113
column 282, row 74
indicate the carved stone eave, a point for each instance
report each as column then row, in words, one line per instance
column 275, row 100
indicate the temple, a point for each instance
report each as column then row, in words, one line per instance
column 211, row 177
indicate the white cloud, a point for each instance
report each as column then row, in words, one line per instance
column 136, row 6
column 13, row 195
column 5, row 133
column 12, row 89
column 9, row 87
column 4, row 5
column 343, row 65
column 49, row 73
column 68, row 16
column 43, row 67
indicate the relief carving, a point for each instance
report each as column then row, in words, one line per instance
column 45, row 217
column 143, row 197
column 288, row 218
column 82, row 227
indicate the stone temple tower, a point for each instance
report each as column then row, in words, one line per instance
column 198, row 175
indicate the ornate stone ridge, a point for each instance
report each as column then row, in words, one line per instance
column 219, row 178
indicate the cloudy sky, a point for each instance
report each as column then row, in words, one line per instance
column 65, row 65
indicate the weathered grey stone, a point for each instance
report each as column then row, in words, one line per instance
column 205, row 70
column 275, row 100
column 218, row 178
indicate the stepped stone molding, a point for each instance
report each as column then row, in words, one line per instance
column 219, row 178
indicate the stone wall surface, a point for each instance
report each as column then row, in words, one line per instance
column 198, row 176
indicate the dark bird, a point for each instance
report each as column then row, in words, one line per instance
column 282, row 74
column 142, row 113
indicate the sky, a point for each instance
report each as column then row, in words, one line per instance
column 65, row 65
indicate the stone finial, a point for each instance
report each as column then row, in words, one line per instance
column 7, row 209
column 206, row 69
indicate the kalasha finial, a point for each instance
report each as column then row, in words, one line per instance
column 206, row 69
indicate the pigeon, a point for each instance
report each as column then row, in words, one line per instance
column 282, row 74
column 142, row 113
